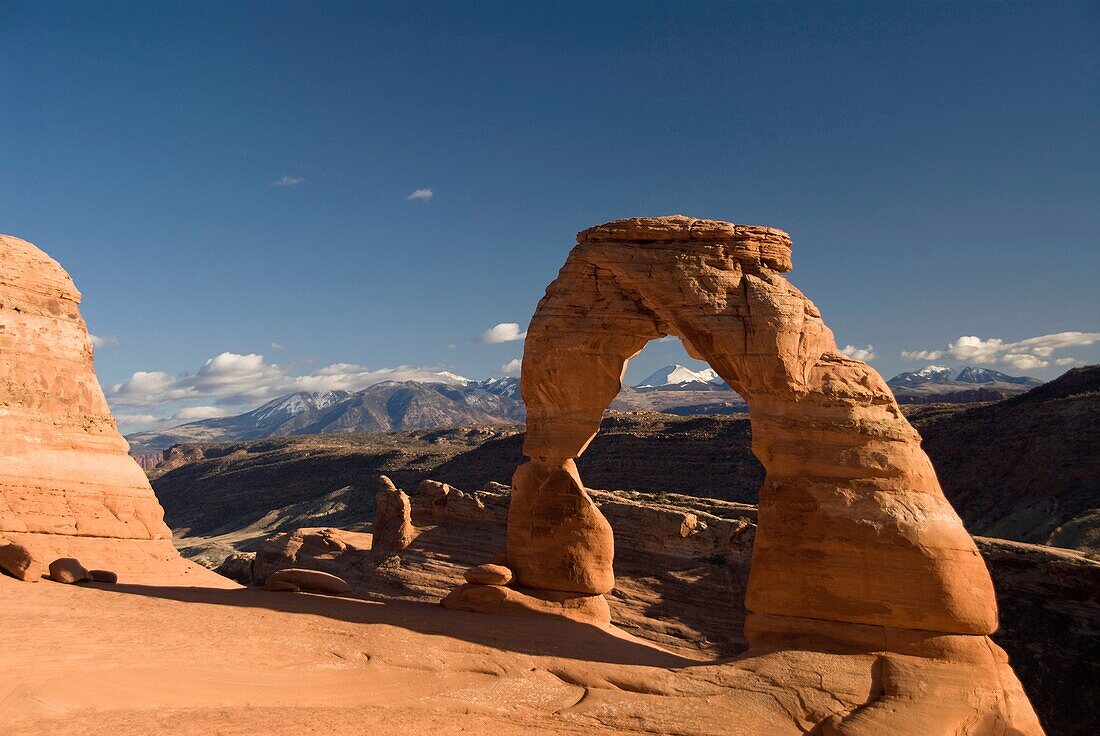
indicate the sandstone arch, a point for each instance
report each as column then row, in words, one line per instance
column 853, row 524
column 859, row 560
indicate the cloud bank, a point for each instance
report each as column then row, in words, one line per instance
column 230, row 383
column 866, row 354
column 511, row 367
column 504, row 332
column 1029, row 354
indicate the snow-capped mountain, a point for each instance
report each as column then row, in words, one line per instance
column 937, row 383
column 386, row 406
column 508, row 386
column 279, row 410
column 678, row 375
column 928, row 374
column 985, row 375
column 457, row 401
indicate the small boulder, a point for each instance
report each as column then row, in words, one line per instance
column 103, row 576
column 489, row 575
column 310, row 581
column 68, row 570
column 17, row 561
column 281, row 586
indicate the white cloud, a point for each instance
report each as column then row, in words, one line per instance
column 865, row 354
column 1029, row 354
column 1068, row 361
column 234, row 380
column 421, row 194
column 138, row 420
column 286, row 181
column 193, row 413
column 278, row 346
column 103, row 342
column 512, row 366
column 504, row 332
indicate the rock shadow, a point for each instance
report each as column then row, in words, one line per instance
column 539, row 635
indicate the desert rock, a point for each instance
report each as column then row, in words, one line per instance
column 489, row 575
column 68, row 570
column 67, row 486
column 17, row 561
column 103, row 576
column 311, row 581
column 393, row 529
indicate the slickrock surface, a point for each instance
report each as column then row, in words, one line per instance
column 856, row 548
column 67, row 486
column 77, row 660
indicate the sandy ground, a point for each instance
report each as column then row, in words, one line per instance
column 98, row 659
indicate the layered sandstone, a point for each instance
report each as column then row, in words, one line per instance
column 857, row 550
column 67, row 486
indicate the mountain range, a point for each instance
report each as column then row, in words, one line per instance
column 937, row 384
column 456, row 401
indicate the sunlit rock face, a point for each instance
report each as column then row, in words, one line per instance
column 857, row 550
column 67, row 486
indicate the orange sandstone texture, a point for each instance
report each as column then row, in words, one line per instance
column 67, row 486
column 857, row 549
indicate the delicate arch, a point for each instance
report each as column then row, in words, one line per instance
column 853, row 526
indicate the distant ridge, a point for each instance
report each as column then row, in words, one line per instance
column 456, row 401
column 939, row 384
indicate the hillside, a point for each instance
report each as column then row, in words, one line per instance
column 1026, row 468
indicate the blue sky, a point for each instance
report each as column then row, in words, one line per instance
column 231, row 179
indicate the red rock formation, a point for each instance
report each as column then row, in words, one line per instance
column 67, row 486
column 857, row 549
column 393, row 529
